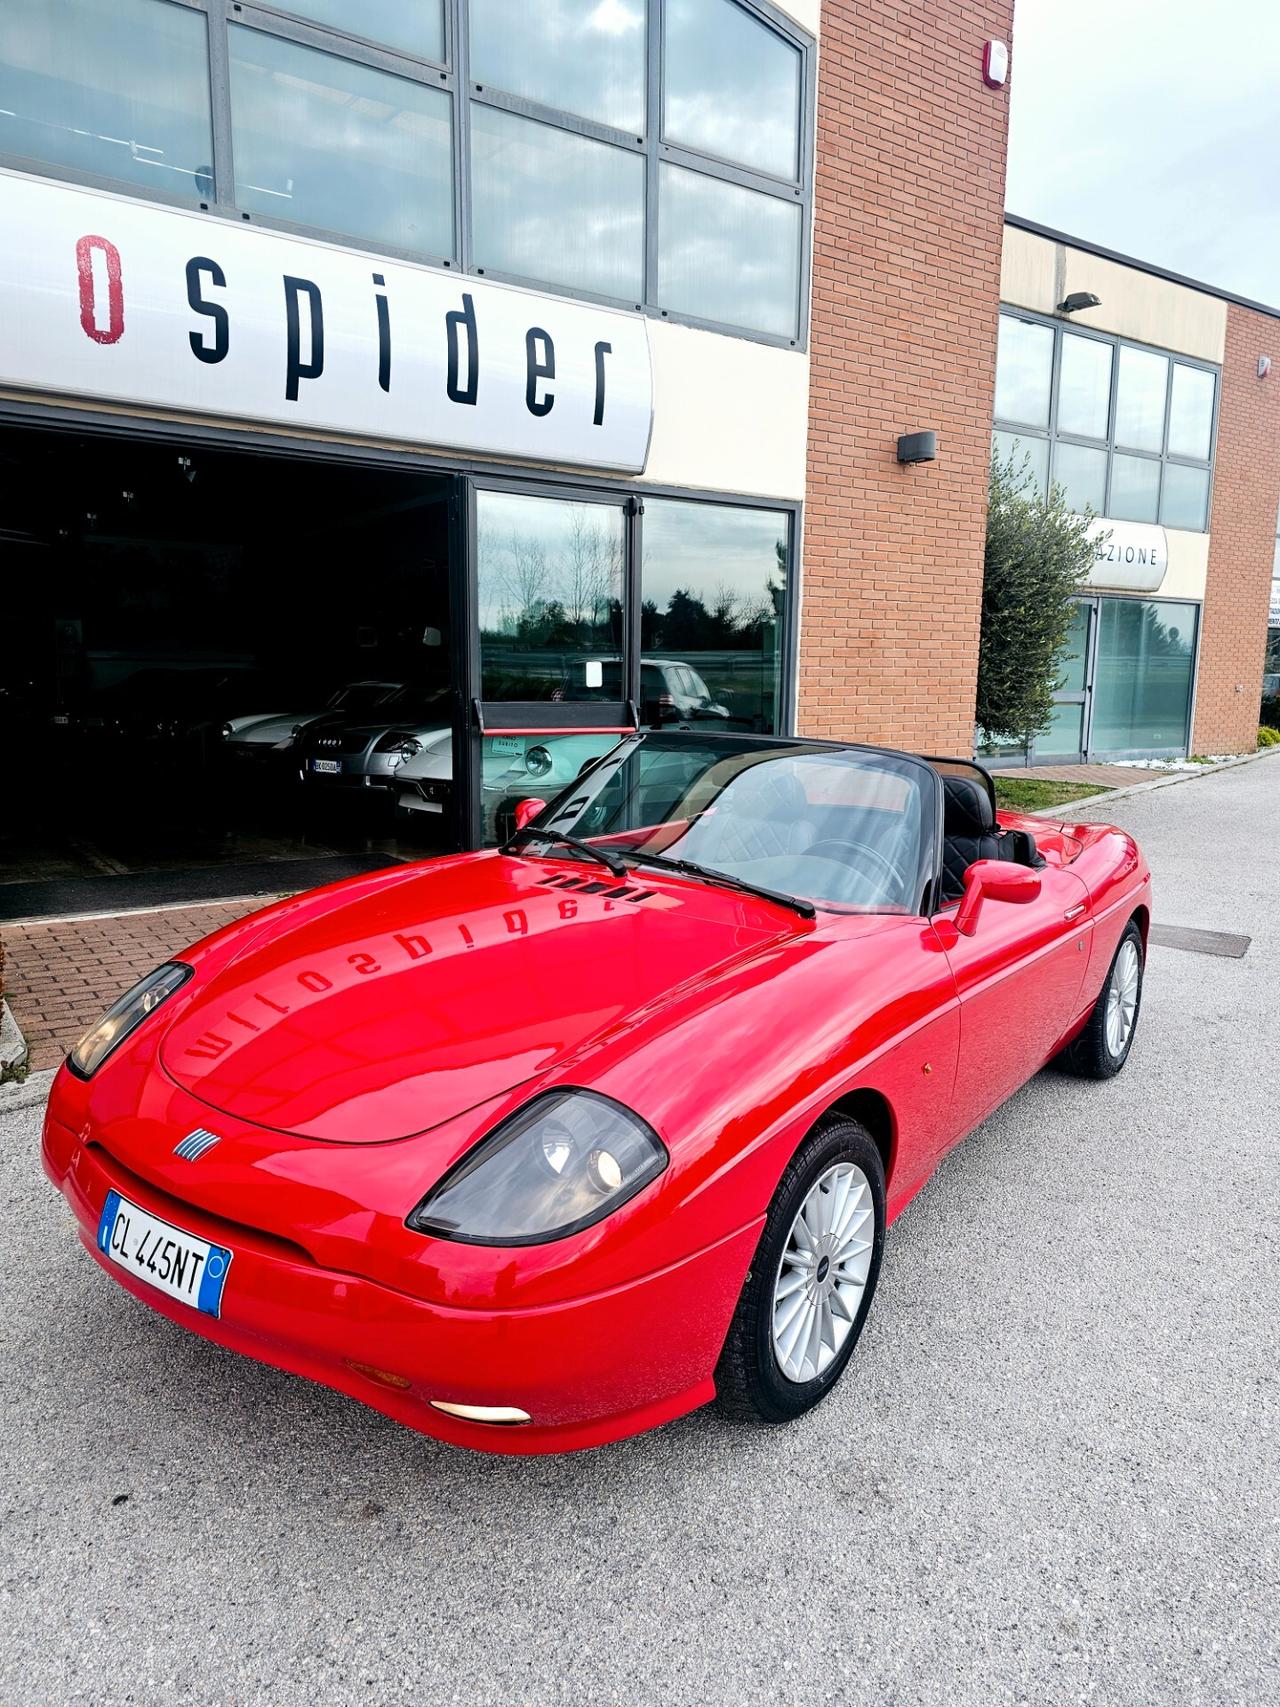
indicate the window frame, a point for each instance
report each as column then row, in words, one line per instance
column 1052, row 435
column 452, row 75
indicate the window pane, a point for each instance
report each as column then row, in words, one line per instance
column 583, row 56
column 1135, row 489
column 1064, row 736
column 413, row 26
column 1191, row 412
column 1082, row 473
column 550, row 598
column 727, row 254
column 326, row 142
column 1024, row 367
column 713, row 590
column 1140, row 391
column 1084, row 386
column 1071, row 664
column 1184, row 498
column 118, row 87
column 554, row 206
column 530, row 767
column 1142, row 688
column 1035, row 452
column 731, row 86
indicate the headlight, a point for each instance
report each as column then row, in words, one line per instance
column 124, row 1017
column 537, row 761
column 225, row 731
column 566, row 1160
column 409, row 749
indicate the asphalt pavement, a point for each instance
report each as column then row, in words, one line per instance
column 1051, row 1474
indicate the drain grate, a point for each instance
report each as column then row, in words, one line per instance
column 1200, row 942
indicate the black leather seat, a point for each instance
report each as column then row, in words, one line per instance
column 970, row 832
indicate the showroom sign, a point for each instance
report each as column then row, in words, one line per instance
column 1129, row 557
column 103, row 297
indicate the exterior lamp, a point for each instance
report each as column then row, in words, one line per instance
column 1077, row 300
column 917, row 447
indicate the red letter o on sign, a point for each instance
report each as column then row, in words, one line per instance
column 115, row 290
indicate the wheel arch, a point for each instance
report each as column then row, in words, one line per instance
column 1141, row 916
column 872, row 1109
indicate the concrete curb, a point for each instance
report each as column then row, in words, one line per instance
column 33, row 1089
column 1095, row 802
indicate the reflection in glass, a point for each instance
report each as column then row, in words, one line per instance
column 1024, row 371
column 549, row 576
column 731, row 86
column 1084, row 386
column 713, row 590
column 1191, row 412
column 530, row 767
column 116, row 87
column 1082, row 474
column 326, row 142
column 555, row 206
column 1072, row 663
column 1142, row 686
column 1141, row 383
column 727, row 254
column 1135, row 488
column 1064, row 737
column 412, row 26
column 1030, row 457
column 583, row 56
column 1184, row 498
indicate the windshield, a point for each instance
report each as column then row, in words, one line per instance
column 839, row 827
column 361, row 696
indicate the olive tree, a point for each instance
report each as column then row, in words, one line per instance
column 1038, row 555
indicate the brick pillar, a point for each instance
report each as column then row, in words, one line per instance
column 1242, row 538
column 908, row 226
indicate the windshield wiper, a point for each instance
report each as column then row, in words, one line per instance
column 690, row 868
column 608, row 860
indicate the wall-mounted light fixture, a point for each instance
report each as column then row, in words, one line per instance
column 1264, row 366
column 917, row 447
column 1077, row 300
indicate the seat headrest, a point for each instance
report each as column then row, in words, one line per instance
column 967, row 810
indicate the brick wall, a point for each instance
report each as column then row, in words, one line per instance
column 1246, row 495
column 908, row 217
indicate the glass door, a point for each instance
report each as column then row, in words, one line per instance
column 1066, row 739
column 552, row 682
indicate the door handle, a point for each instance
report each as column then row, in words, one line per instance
column 1074, row 912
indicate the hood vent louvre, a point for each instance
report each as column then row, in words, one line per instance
column 592, row 886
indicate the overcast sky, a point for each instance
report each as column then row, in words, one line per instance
column 1153, row 127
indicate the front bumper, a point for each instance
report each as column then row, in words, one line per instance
column 587, row 1371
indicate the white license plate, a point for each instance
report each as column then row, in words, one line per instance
column 508, row 744
column 327, row 767
column 189, row 1269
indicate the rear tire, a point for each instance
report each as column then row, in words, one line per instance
column 812, row 1279
column 1102, row 1048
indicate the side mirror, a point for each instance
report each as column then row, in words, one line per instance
column 528, row 810
column 994, row 880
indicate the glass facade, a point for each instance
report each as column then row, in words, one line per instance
column 649, row 152
column 713, row 591
column 1126, row 431
column 1142, row 683
column 115, row 89
column 549, row 578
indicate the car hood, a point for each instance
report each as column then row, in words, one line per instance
column 376, row 1017
column 269, row 726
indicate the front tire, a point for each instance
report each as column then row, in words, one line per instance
column 811, row 1281
column 1102, row 1048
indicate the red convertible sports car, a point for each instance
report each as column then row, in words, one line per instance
column 534, row 1148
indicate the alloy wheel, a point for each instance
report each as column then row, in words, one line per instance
column 823, row 1272
column 1122, row 997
